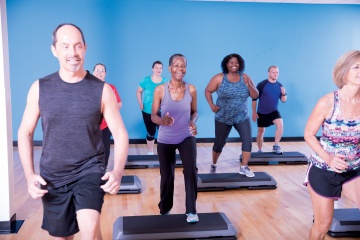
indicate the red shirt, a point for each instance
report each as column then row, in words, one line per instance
column 103, row 124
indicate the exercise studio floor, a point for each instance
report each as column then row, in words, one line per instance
column 281, row 213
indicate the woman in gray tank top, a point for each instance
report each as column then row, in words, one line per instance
column 233, row 88
column 177, row 102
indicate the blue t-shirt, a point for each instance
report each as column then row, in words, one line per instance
column 269, row 95
column 148, row 94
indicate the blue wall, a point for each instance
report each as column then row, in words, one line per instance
column 303, row 40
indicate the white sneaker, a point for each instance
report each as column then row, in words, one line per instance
column 213, row 168
column 245, row 170
column 150, row 153
column 192, row 218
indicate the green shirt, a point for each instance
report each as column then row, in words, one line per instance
column 148, row 94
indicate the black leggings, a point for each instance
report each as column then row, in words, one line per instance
column 150, row 126
column 167, row 153
column 106, row 138
column 222, row 131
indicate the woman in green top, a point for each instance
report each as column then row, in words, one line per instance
column 145, row 95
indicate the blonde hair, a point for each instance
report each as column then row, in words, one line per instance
column 342, row 67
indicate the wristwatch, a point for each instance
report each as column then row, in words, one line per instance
column 283, row 94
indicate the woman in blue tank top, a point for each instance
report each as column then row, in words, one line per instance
column 177, row 102
column 233, row 88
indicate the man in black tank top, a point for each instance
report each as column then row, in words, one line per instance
column 71, row 103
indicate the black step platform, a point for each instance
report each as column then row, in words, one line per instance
column 174, row 226
column 130, row 184
column 223, row 181
column 346, row 223
column 146, row 161
column 265, row 158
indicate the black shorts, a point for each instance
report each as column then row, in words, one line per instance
column 328, row 183
column 61, row 204
column 266, row 120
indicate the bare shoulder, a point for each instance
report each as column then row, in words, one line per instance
column 217, row 78
column 245, row 75
column 192, row 88
column 326, row 100
column 325, row 106
column 34, row 90
column 160, row 88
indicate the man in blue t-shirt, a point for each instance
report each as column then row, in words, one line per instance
column 267, row 114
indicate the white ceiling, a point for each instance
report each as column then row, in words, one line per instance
column 292, row 1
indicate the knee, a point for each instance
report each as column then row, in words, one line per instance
column 261, row 131
column 218, row 147
column 90, row 230
column 322, row 226
column 150, row 137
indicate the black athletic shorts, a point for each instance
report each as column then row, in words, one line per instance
column 61, row 204
column 328, row 183
column 266, row 120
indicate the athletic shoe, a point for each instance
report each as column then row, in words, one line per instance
column 259, row 151
column 277, row 149
column 150, row 153
column 192, row 218
column 213, row 168
column 245, row 170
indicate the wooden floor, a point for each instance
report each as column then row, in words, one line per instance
column 282, row 213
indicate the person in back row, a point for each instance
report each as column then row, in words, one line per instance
column 145, row 95
column 100, row 72
column 270, row 91
column 233, row 88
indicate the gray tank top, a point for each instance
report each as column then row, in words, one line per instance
column 180, row 111
column 70, row 120
column 232, row 101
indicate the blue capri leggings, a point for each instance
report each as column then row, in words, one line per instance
column 222, row 132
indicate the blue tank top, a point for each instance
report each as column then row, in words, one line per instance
column 180, row 111
column 339, row 136
column 70, row 119
column 232, row 101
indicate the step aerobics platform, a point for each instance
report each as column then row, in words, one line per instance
column 174, row 226
column 130, row 184
column 265, row 158
column 146, row 161
column 223, row 181
column 346, row 223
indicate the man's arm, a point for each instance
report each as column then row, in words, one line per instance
column 121, row 140
column 254, row 113
column 25, row 141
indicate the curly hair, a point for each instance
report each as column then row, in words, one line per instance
column 226, row 59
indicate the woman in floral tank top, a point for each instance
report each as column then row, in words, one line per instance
column 334, row 165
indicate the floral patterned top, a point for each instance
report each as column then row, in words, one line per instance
column 339, row 137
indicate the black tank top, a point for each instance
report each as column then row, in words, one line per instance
column 70, row 120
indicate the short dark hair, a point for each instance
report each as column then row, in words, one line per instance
column 101, row 65
column 175, row 56
column 54, row 37
column 156, row 62
column 226, row 59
